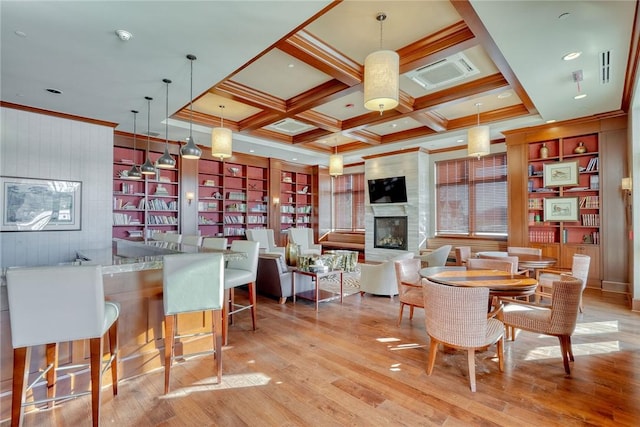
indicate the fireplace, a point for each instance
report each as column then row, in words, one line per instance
column 390, row 232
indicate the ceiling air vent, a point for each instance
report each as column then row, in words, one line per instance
column 605, row 67
column 290, row 126
column 443, row 72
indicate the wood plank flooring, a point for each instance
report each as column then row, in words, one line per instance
column 349, row 365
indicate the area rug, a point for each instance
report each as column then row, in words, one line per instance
column 350, row 283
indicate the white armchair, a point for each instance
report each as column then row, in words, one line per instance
column 380, row 279
column 266, row 239
column 437, row 257
column 303, row 237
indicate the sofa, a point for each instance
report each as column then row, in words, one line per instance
column 274, row 278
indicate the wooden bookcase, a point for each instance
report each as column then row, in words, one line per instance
column 296, row 200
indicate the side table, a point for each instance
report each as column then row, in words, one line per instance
column 316, row 293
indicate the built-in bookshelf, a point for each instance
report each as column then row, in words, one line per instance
column 296, row 203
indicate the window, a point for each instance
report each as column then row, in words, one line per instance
column 348, row 202
column 471, row 196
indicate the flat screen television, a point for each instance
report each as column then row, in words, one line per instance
column 387, row 190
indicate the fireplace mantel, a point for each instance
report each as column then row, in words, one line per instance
column 390, row 209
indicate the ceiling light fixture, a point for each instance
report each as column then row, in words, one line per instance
column 166, row 161
column 478, row 138
column 134, row 172
column 221, row 139
column 147, row 168
column 571, row 56
column 190, row 150
column 336, row 165
column 381, row 77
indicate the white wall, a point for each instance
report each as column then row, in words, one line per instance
column 40, row 146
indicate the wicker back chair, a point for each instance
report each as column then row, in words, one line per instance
column 457, row 317
column 409, row 285
column 524, row 250
column 557, row 320
column 504, row 263
column 546, row 276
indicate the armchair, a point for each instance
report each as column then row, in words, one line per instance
column 380, row 279
column 303, row 237
column 274, row 278
column 437, row 257
column 265, row 237
column 546, row 277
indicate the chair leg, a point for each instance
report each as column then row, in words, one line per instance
column 52, row 374
column 433, row 351
column 113, row 350
column 568, row 338
column 410, row 312
column 231, row 301
column 95, row 345
column 169, row 337
column 400, row 315
column 225, row 316
column 565, row 354
column 500, row 346
column 217, row 342
column 21, row 357
column 252, row 301
column 471, row 359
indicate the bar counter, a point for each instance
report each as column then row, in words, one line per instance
column 132, row 274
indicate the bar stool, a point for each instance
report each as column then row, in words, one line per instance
column 190, row 283
column 192, row 239
column 215, row 242
column 48, row 305
column 237, row 273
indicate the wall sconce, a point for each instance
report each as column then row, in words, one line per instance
column 276, row 200
column 627, row 185
column 189, row 195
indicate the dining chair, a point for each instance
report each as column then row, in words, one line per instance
column 192, row 283
column 524, row 250
column 409, row 285
column 437, row 257
column 215, row 242
column 239, row 272
column 463, row 253
column 192, row 239
column 457, row 317
column 559, row 319
column 546, row 277
column 50, row 305
column 507, row 263
column 504, row 257
column 170, row 237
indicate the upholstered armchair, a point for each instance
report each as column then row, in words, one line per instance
column 266, row 239
column 303, row 237
column 380, row 279
column 274, row 278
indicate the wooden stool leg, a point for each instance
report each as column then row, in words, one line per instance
column 225, row 316
column 52, row 360
column 21, row 358
column 217, row 342
column 252, row 301
column 113, row 350
column 169, row 336
column 95, row 345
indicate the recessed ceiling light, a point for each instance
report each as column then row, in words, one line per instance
column 291, row 65
column 551, row 121
column 124, row 35
column 564, row 15
column 571, row 55
column 582, row 95
column 20, row 33
column 460, row 140
column 504, row 95
column 394, row 125
column 349, row 105
column 54, row 91
column 294, row 159
column 252, row 151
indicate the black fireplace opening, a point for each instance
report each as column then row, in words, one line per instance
column 390, row 232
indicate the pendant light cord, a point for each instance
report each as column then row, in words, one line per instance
column 148, row 123
column 166, row 122
column 191, row 98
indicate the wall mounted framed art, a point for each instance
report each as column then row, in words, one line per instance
column 561, row 209
column 31, row 204
column 560, row 174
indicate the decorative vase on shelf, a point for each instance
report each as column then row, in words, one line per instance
column 544, row 151
column 580, row 149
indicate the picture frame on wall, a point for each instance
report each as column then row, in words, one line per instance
column 560, row 174
column 32, row 204
column 558, row 209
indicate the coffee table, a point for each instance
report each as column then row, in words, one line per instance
column 316, row 294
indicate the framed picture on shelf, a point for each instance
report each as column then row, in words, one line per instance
column 561, row 209
column 560, row 174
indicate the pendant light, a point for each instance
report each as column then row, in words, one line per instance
column 147, row 168
column 134, row 172
column 190, row 150
column 478, row 139
column 166, row 161
column 221, row 139
column 335, row 163
column 381, row 77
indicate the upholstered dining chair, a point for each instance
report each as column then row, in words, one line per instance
column 506, row 263
column 266, row 239
column 191, row 283
column 437, row 257
column 457, row 317
column 546, row 277
column 49, row 305
column 191, row 239
column 559, row 319
column 380, row 279
column 170, row 237
column 409, row 285
column 215, row 242
column 239, row 272
column 463, row 253
column 512, row 259
column 524, row 250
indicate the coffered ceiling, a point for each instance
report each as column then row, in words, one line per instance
column 289, row 74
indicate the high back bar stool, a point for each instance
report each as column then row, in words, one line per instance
column 49, row 305
column 192, row 282
column 191, row 239
column 215, row 243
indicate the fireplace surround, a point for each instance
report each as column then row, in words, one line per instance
column 390, row 232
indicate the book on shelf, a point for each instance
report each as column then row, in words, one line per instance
column 592, row 165
column 209, row 183
column 594, row 182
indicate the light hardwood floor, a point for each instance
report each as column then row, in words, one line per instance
column 349, row 365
